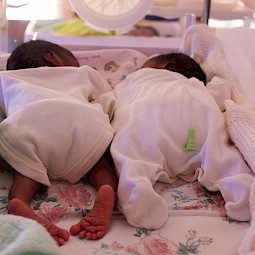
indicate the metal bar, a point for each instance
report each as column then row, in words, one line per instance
column 206, row 11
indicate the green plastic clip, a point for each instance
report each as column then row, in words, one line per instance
column 190, row 145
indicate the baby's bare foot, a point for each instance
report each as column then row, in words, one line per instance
column 18, row 207
column 96, row 223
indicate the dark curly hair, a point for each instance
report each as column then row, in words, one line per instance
column 178, row 62
column 30, row 54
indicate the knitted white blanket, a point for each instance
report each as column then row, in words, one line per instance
column 201, row 43
column 21, row 236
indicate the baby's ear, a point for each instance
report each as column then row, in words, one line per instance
column 199, row 58
column 51, row 58
column 48, row 55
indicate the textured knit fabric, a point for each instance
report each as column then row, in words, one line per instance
column 20, row 236
column 206, row 47
column 241, row 125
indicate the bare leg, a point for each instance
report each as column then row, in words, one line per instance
column 96, row 223
column 20, row 196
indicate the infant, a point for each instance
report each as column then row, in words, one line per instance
column 169, row 126
column 57, row 126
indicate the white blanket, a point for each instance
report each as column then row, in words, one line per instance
column 57, row 121
column 235, row 58
column 21, row 236
column 239, row 44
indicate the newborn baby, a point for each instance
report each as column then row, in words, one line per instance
column 156, row 113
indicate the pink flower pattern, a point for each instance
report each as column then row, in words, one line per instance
column 54, row 214
column 154, row 245
column 116, row 246
column 131, row 249
column 62, row 200
column 201, row 200
column 72, row 195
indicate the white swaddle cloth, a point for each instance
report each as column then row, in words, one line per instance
column 22, row 236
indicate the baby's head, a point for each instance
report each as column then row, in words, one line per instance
column 39, row 53
column 177, row 62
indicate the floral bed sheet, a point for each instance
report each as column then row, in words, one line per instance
column 197, row 221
